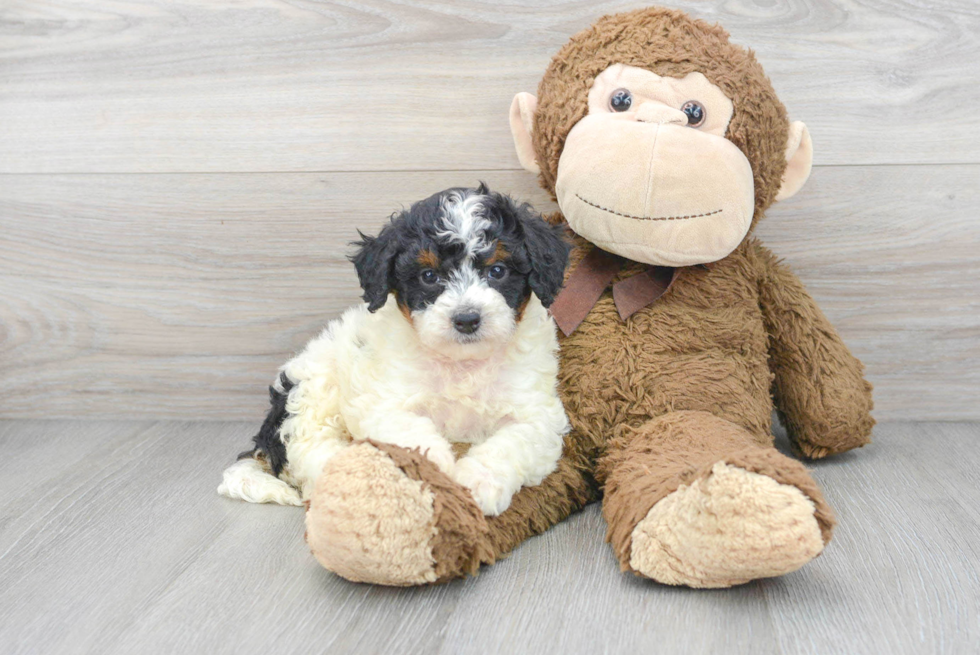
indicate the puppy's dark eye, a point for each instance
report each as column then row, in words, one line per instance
column 428, row 276
column 497, row 272
column 621, row 100
column 695, row 113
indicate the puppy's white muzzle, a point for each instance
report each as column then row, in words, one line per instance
column 468, row 320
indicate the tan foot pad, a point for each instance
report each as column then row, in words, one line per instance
column 371, row 522
column 726, row 529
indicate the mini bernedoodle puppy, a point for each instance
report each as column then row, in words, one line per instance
column 453, row 345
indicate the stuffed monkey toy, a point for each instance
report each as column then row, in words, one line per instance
column 663, row 144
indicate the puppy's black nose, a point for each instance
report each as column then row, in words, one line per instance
column 466, row 323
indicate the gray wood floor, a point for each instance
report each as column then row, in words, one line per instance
column 112, row 539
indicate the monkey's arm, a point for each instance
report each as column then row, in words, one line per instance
column 819, row 387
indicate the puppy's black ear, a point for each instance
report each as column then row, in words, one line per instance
column 375, row 261
column 547, row 249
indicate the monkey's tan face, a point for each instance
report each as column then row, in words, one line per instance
column 648, row 174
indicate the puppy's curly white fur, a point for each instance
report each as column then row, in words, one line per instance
column 452, row 345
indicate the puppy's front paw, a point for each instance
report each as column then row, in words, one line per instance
column 489, row 493
column 442, row 457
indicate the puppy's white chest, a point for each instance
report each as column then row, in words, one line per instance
column 461, row 424
column 466, row 406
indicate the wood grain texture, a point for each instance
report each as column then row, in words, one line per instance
column 113, row 540
column 276, row 85
column 178, row 296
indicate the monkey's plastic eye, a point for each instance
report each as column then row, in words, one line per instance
column 695, row 113
column 497, row 272
column 428, row 276
column 621, row 100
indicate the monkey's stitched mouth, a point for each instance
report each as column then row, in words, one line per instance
column 647, row 218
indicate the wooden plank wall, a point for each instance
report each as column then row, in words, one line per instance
column 178, row 180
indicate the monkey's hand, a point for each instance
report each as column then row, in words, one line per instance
column 819, row 387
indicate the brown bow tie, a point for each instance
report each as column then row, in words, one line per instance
column 590, row 279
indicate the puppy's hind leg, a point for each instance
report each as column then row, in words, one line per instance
column 248, row 479
column 254, row 477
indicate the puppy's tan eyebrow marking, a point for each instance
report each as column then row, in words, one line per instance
column 428, row 259
column 499, row 254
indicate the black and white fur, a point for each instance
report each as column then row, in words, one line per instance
column 453, row 344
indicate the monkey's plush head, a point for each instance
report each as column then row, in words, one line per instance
column 660, row 140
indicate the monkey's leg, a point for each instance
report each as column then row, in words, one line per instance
column 535, row 509
column 387, row 515
column 692, row 499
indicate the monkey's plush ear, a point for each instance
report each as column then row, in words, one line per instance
column 799, row 160
column 548, row 251
column 374, row 261
column 521, row 123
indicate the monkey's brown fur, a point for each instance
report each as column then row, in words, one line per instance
column 658, row 400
